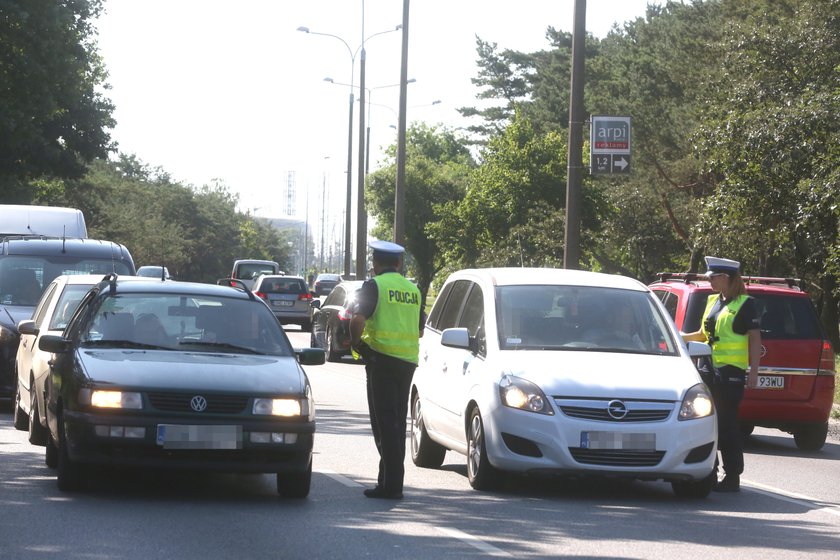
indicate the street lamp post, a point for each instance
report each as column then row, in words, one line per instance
column 348, row 209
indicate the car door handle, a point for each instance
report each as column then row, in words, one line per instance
column 444, row 367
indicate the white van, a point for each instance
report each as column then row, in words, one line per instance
column 49, row 221
column 248, row 269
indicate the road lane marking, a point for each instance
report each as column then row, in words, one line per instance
column 340, row 478
column 473, row 541
column 793, row 498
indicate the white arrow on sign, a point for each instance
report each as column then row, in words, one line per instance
column 621, row 163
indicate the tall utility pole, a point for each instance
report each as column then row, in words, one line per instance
column 574, row 173
column 399, row 189
column 361, row 218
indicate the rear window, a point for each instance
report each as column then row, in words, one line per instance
column 782, row 317
column 283, row 286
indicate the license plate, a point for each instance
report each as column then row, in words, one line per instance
column 182, row 436
column 618, row 440
column 283, row 303
column 770, row 382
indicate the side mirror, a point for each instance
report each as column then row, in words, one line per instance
column 316, row 304
column 55, row 344
column 456, row 338
column 27, row 327
column 310, row 356
column 698, row 349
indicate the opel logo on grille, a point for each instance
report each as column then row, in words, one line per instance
column 617, row 409
column 198, row 403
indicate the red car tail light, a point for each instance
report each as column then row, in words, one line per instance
column 826, row 359
column 261, row 294
column 305, row 296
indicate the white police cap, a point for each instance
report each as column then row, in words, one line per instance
column 717, row 265
column 386, row 247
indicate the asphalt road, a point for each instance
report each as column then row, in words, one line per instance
column 789, row 507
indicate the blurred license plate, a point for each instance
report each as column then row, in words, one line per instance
column 181, row 436
column 283, row 303
column 618, row 440
column 770, row 382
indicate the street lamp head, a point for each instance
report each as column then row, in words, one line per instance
column 411, row 80
column 304, row 29
column 398, row 27
column 436, row 102
column 330, row 80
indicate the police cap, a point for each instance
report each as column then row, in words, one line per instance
column 386, row 248
column 717, row 265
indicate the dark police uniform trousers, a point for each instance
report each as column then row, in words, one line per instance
column 727, row 393
column 388, row 386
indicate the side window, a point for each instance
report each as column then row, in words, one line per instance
column 336, row 297
column 472, row 318
column 438, row 306
column 669, row 300
column 452, row 307
column 45, row 303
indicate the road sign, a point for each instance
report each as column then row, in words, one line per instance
column 609, row 145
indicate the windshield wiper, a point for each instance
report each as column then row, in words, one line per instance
column 222, row 345
column 126, row 344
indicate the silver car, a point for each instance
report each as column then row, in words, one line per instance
column 288, row 297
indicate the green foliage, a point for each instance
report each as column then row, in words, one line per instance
column 437, row 165
column 53, row 116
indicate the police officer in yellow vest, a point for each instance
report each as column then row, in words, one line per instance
column 731, row 327
column 385, row 330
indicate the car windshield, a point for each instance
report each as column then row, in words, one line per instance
column 550, row 317
column 23, row 278
column 179, row 322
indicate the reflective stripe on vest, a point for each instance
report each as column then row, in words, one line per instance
column 729, row 348
column 394, row 328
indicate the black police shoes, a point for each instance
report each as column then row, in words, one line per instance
column 730, row 483
column 381, row 493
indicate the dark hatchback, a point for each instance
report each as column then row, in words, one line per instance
column 331, row 321
column 325, row 282
column 178, row 375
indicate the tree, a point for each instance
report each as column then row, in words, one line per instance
column 437, row 164
column 773, row 139
column 53, row 116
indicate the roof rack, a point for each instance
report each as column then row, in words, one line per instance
column 766, row 280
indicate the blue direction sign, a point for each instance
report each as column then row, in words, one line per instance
column 609, row 145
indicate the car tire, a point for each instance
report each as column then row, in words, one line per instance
column 69, row 473
column 696, row 489
column 313, row 342
column 51, row 454
column 811, row 437
column 306, row 326
column 481, row 474
column 329, row 346
column 295, row 485
column 37, row 432
column 21, row 419
column 424, row 452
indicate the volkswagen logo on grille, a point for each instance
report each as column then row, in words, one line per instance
column 198, row 403
column 617, row 409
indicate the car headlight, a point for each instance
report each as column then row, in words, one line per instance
column 112, row 399
column 697, row 403
column 516, row 392
column 284, row 407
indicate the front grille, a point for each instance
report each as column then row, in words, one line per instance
column 616, row 458
column 601, row 414
column 216, row 404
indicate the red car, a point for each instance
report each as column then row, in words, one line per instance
column 796, row 373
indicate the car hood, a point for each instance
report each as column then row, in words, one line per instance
column 603, row 374
column 11, row 315
column 190, row 371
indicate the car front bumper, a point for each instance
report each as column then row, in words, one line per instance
column 552, row 444
column 84, row 445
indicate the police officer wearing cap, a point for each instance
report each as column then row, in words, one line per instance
column 385, row 330
column 731, row 326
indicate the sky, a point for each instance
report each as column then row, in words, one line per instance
column 230, row 90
